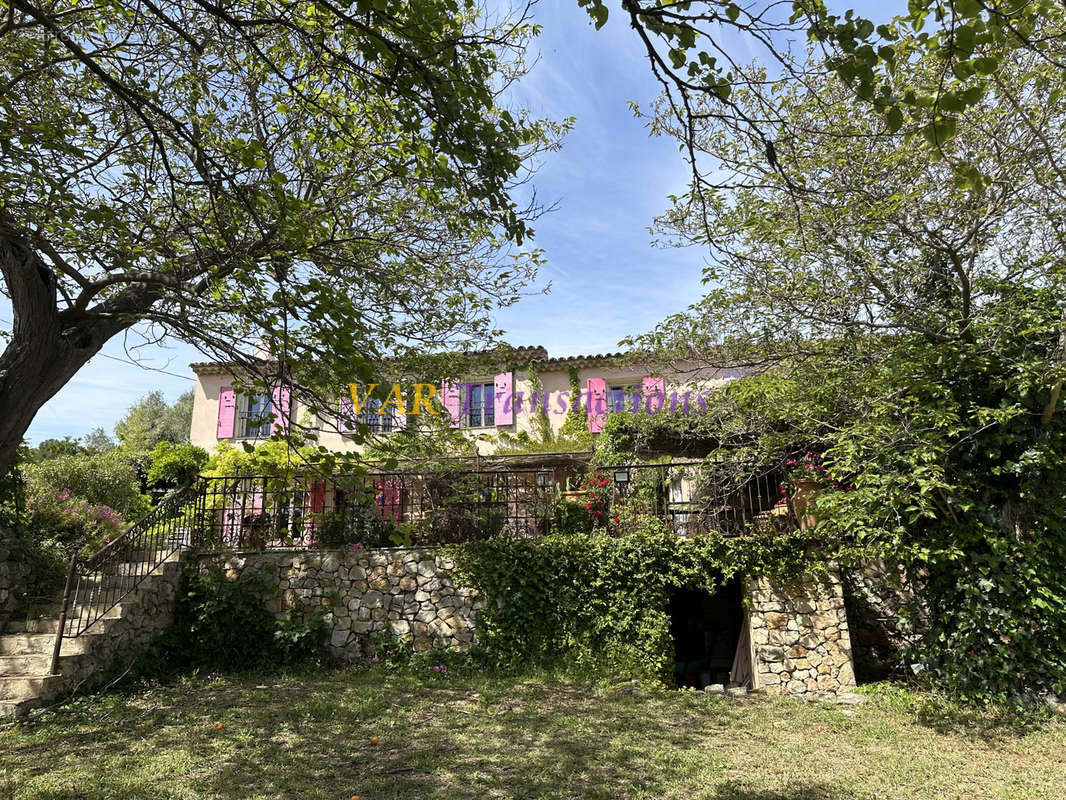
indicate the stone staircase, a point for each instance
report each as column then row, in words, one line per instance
column 26, row 645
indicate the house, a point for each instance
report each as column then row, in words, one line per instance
column 484, row 404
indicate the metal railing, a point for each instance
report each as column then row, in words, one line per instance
column 97, row 584
column 385, row 509
column 382, row 509
column 699, row 497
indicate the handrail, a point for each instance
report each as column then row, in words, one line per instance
column 92, row 590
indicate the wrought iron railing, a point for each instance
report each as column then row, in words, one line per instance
column 99, row 583
column 700, row 497
column 382, row 508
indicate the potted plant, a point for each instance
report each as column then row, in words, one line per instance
column 806, row 478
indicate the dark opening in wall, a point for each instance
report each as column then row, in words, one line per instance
column 707, row 629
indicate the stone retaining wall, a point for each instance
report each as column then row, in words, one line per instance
column 13, row 576
column 407, row 592
column 800, row 638
column 877, row 598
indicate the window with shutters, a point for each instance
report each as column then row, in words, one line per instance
column 255, row 416
column 480, row 406
column 375, row 419
column 620, row 397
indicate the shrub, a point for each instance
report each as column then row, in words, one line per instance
column 57, row 518
column 101, row 479
column 227, row 624
column 176, row 463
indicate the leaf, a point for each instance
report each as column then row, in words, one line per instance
column 894, row 118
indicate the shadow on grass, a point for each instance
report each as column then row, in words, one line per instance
column 801, row 791
column 310, row 737
column 950, row 717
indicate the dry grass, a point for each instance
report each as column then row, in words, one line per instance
column 309, row 736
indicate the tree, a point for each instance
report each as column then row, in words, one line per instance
column 152, row 420
column 97, row 441
column 907, row 324
column 965, row 44
column 335, row 180
column 55, row 448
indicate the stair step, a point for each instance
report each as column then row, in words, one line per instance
column 140, row 568
column 20, row 688
column 25, row 664
column 15, row 708
column 51, row 624
column 17, row 644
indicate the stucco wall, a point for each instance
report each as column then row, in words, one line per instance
column 556, row 382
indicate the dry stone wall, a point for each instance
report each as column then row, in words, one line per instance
column 800, row 638
column 408, row 592
column 13, row 576
column 879, row 598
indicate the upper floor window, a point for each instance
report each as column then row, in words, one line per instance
column 375, row 419
column 255, row 416
column 480, row 411
column 621, row 397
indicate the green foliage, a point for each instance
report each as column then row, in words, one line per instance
column 102, row 479
column 54, row 448
column 923, row 352
column 361, row 523
column 177, row 463
column 592, row 602
column 226, row 624
column 152, row 420
column 282, row 166
column 271, row 458
column 56, row 516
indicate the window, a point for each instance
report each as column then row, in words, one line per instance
column 255, row 416
column 621, row 397
column 369, row 415
column 480, row 408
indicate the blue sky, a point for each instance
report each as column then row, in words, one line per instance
column 609, row 180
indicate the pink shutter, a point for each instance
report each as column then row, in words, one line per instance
column 280, row 399
column 346, row 422
column 597, row 404
column 503, row 400
column 449, row 393
column 316, row 503
column 651, row 386
column 390, row 498
column 227, row 412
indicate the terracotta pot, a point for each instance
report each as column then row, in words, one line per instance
column 803, row 492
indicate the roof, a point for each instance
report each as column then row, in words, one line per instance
column 536, row 354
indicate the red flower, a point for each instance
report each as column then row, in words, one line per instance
column 614, row 519
column 588, row 505
column 598, row 513
column 602, row 483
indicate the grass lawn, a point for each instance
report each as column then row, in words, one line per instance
column 309, row 736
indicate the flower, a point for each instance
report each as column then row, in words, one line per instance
column 614, row 520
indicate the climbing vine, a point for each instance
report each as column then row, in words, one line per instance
column 596, row 603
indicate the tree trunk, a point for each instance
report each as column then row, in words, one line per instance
column 47, row 346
